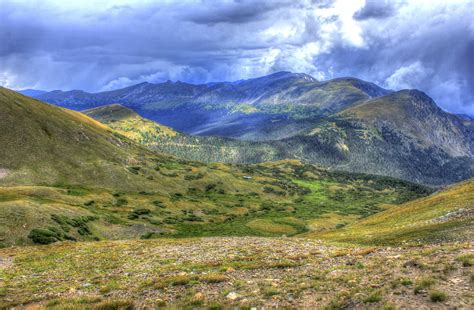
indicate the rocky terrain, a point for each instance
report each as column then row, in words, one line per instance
column 228, row 273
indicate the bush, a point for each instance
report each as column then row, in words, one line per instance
column 423, row 284
column 83, row 230
column 213, row 278
column 375, row 296
column 137, row 213
column 438, row 296
column 134, row 169
column 115, row 305
column 191, row 177
column 159, row 204
column 46, row 236
column 210, row 187
column 150, row 235
column 466, row 260
column 406, row 282
column 176, row 196
column 121, row 202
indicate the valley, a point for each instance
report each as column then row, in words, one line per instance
column 236, row 155
column 97, row 213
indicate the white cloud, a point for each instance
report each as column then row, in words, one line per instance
column 408, row 76
column 104, row 44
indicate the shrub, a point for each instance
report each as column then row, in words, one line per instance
column 176, row 196
column 134, row 169
column 406, row 282
column 375, row 296
column 210, row 187
column 466, row 260
column 423, row 284
column 159, row 204
column 213, row 278
column 83, row 230
column 170, row 220
column 191, row 177
column 121, row 202
column 270, row 291
column 137, row 213
column 115, row 305
column 438, row 296
column 45, row 236
column 214, row 306
column 145, row 193
column 147, row 235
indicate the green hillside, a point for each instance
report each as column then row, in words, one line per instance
column 69, row 177
column 129, row 123
column 46, row 145
column 444, row 216
column 165, row 140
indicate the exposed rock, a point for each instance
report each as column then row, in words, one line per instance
column 411, row 264
column 456, row 215
column 199, row 297
column 232, row 296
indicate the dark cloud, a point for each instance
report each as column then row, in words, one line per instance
column 233, row 13
column 102, row 45
column 376, row 9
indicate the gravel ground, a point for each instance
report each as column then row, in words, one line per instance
column 245, row 272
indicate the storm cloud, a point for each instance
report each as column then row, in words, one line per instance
column 104, row 45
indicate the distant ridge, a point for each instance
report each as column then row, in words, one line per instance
column 345, row 123
column 32, row 92
column 245, row 109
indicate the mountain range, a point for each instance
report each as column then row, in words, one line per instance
column 270, row 107
column 345, row 124
column 65, row 176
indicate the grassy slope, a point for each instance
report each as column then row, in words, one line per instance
column 74, row 178
column 129, row 123
column 415, row 115
column 443, row 216
column 402, row 134
column 44, row 144
column 164, row 139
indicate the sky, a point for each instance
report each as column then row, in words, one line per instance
column 105, row 45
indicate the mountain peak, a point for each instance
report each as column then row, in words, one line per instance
column 281, row 74
column 31, row 92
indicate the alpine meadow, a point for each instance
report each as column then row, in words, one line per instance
column 236, row 154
